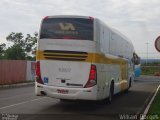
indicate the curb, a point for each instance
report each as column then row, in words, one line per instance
column 146, row 103
column 151, row 76
column 150, row 103
column 146, row 77
column 17, row 85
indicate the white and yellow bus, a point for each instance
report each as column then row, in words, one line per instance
column 81, row 58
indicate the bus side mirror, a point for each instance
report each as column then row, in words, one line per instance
column 136, row 60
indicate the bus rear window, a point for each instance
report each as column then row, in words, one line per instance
column 67, row 28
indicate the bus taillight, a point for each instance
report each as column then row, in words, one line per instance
column 92, row 77
column 38, row 73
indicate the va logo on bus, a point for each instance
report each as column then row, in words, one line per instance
column 66, row 26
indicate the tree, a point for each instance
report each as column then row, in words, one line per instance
column 2, row 50
column 15, row 53
column 22, row 48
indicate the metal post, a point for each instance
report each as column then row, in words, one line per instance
column 147, row 53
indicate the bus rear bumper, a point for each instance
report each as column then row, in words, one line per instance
column 66, row 93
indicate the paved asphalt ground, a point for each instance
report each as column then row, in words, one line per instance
column 21, row 103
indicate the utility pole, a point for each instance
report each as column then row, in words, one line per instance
column 147, row 52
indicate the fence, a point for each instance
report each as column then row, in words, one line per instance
column 30, row 73
column 15, row 71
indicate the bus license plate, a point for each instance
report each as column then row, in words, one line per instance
column 62, row 91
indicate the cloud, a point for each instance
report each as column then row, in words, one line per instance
column 137, row 19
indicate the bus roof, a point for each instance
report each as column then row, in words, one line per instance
column 68, row 16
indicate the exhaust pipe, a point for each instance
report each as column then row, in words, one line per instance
column 43, row 93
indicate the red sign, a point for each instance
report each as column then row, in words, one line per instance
column 157, row 44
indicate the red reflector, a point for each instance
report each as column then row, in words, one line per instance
column 92, row 77
column 91, row 18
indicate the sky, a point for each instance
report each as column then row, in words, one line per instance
column 139, row 20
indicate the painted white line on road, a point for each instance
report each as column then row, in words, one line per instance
column 16, row 96
column 148, row 106
column 13, row 105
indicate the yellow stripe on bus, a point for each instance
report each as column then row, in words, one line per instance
column 95, row 58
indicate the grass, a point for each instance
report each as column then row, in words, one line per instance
column 155, row 108
column 149, row 70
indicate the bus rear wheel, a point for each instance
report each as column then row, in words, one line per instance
column 111, row 92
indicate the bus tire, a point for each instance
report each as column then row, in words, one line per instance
column 129, row 86
column 63, row 100
column 130, row 83
column 111, row 92
column 66, row 100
